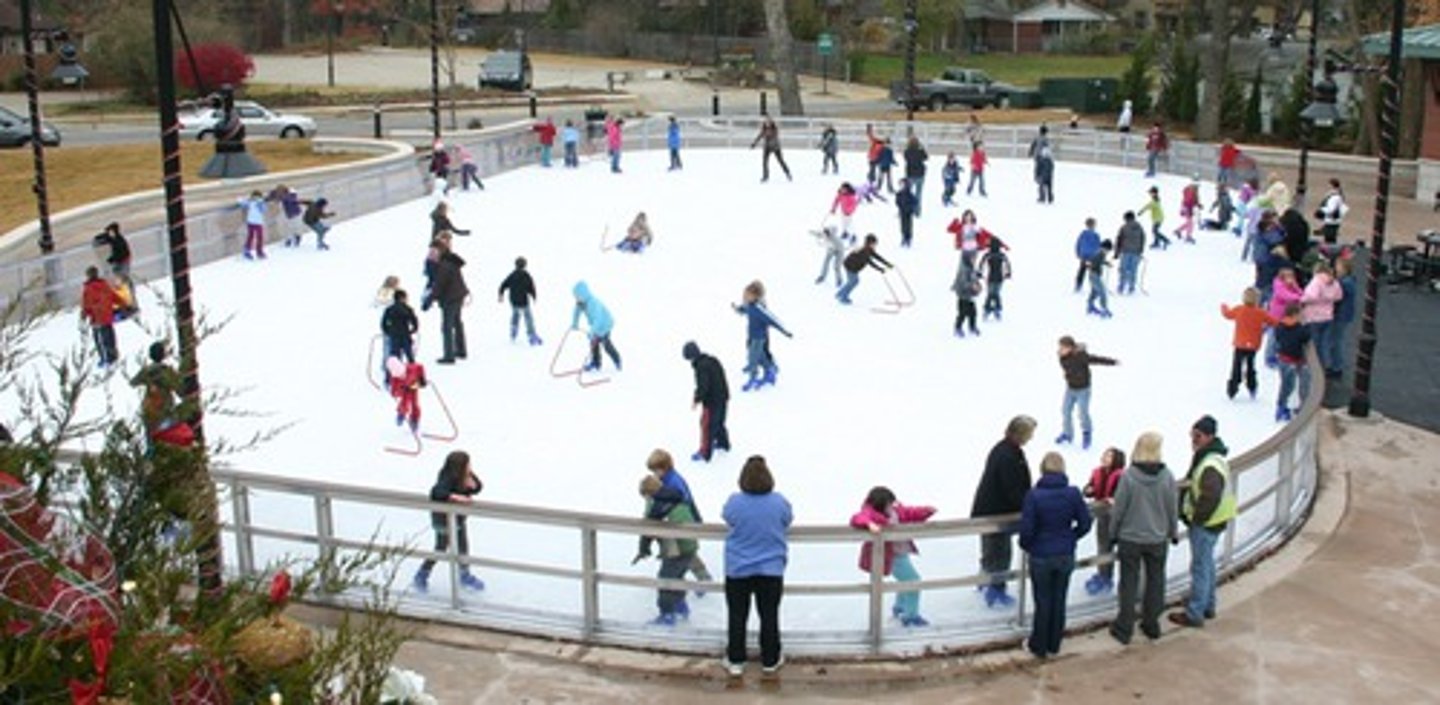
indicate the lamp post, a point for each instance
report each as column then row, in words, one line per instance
column 1389, row 117
column 332, row 17
column 1307, row 127
column 912, row 25
column 37, row 148
column 435, row 69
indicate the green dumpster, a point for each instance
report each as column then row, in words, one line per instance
column 1083, row 95
column 1026, row 99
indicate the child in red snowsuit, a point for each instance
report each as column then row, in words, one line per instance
column 406, row 379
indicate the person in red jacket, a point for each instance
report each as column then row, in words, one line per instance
column 978, row 162
column 1229, row 153
column 872, row 156
column 545, row 131
column 1104, row 480
column 98, row 302
column 1157, row 144
column 406, row 379
column 880, row 509
column 1250, row 322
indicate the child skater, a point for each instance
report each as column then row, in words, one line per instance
column 254, row 208
column 675, row 554
column 1075, row 362
column 879, row 510
column 978, row 162
column 834, row 252
column 456, row 483
column 1224, row 210
column 997, row 269
column 906, row 204
column 885, row 162
column 522, row 292
column 662, row 467
column 1104, row 480
column 1284, row 290
column 638, row 236
column 858, row 260
column 1157, row 219
column 1189, row 208
column 829, row 147
column 398, row 324
column 406, row 379
column 870, row 193
column 966, row 287
column 759, row 320
column 1250, row 323
column 712, row 395
column 846, row 201
column 1098, row 304
column 966, row 230
column 316, row 212
column 385, row 295
column 950, row 177
column 1245, row 212
column 600, row 322
column 1291, row 337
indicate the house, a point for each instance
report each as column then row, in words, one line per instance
column 1043, row 27
column 500, row 7
column 1419, row 99
column 12, row 41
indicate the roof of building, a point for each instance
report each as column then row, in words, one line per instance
column 988, row 10
column 496, row 7
column 10, row 19
column 1063, row 11
column 1421, row 42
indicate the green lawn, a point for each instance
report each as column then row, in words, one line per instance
column 1024, row 70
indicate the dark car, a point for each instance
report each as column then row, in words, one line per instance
column 509, row 70
column 15, row 131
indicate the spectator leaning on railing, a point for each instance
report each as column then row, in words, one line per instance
column 1002, row 491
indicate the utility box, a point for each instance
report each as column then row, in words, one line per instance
column 1082, row 95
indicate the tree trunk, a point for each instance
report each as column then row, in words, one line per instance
column 1215, row 64
column 782, row 54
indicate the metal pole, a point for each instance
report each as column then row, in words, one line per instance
column 1389, row 117
column 911, row 29
column 1307, row 128
column 330, row 47
column 715, row 30
column 435, row 69
column 32, row 95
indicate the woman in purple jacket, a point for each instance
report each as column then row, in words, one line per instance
column 756, row 551
column 1052, row 519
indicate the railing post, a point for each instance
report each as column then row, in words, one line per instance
column 877, row 594
column 452, row 556
column 1285, row 486
column 244, row 543
column 1020, row 588
column 325, row 533
column 589, row 581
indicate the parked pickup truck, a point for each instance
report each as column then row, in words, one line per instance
column 955, row 86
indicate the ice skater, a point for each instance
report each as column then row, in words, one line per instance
column 1223, row 208
column 316, row 212
column 166, row 419
column 1044, row 156
column 879, row 510
column 1086, row 245
column 440, row 221
column 834, row 246
column 1075, row 362
column 829, row 148
column 675, row 554
column 1284, row 290
column 870, row 193
column 1250, row 323
column 1129, row 249
column 406, row 379
column 884, row 163
column 254, row 208
column 544, row 134
column 759, row 321
column 1189, row 210
column 119, row 250
column 673, row 142
column 950, row 179
column 712, row 396
column 290, row 210
column 770, row 135
column 470, row 171
column 966, row 287
column 1157, row 145
column 98, row 303
column 638, row 236
column 907, row 205
column 398, row 325
column 522, row 293
column 857, row 260
column 1098, row 304
column 600, row 322
column 1104, row 481
column 456, row 483
column 978, row 163
column 847, row 201
column 1156, row 211
column 914, row 181
column 614, row 141
column 872, row 154
column 996, row 265
column 662, row 467
column 570, row 140
column 1291, row 337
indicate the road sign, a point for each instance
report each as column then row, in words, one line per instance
column 825, row 44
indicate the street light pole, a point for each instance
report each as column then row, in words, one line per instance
column 435, row 69
column 37, row 148
column 911, row 28
column 1307, row 129
column 330, row 45
column 1389, row 117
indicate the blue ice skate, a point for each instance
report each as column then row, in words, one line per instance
column 470, row 582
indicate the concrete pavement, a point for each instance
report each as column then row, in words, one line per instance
column 1346, row 613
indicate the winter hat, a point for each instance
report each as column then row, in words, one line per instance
column 157, row 351
column 691, row 350
column 1206, row 425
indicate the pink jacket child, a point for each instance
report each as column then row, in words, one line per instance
column 1283, row 292
column 614, row 137
column 846, row 201
column 880, row 509
column 1317, row 303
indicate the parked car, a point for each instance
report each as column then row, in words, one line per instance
column 955, row 86
column 258, row 120
column 15, row 131
column 509, row 70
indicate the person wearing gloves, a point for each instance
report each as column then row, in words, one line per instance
column 600, row 322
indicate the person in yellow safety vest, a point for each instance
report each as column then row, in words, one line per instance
column 1207, row 505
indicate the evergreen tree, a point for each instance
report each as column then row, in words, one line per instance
column 1287, row 112
column 1252, row 105
column 1233, row 104
column 1135, row 83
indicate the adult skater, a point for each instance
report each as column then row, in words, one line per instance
column 1129, row 248
column 884, row 164
column 470, row 171
column 456, row 483
column 672, row 142
column 98, row 302
column 996, row 265
column 858, row 260
column 830, row 149
column 450, row 292
column 1086, row 245
column 570, row 139
column 119, row 250
column 1002, row 490
column 872, row 154
column 915, row 158
column 598, row 318
column 978, row 162
column 614, row 141
column 1053, row 519
column 712, row 396
column 966, row 287
column 316, row 212
column 291, row 209
column 908, row 206
column 1075, row 362
column 522, row 292
column 1143, row 521
column 440, row 221
column 879, row 510
column 398, row 325
column 1225, row 163
column 1157, row 145
column 759, row 321
column 545, row 135
column 770, row 135
column 1276, row 195
column 1044, row 156
column 1207, row 505
column 756, row 551
column 834, row 246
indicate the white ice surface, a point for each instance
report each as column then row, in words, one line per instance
column 863, row 398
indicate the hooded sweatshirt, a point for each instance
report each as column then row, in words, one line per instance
column 595, row 312
column 1147, row 507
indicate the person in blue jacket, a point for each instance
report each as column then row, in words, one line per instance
column 672, row 140
column 1087, row 245
column 756, row 552
column 757, row 336
column 600, row 322
column 885, row 161
column 1052, row 519
column 570, row 138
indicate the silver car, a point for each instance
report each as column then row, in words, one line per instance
column 15, row 130
column 259, row 121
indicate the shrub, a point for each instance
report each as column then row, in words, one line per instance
column 1135, row 83
column 217, row 63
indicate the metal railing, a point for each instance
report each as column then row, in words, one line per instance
column 1275, row 482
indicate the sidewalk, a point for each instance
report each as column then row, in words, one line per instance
column 1346, row 613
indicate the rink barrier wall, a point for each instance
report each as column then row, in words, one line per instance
column 1276, row 480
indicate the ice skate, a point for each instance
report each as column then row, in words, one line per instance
column 1062, row 439
column 470, row 582
column 1085, row 440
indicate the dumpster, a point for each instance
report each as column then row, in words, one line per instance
column 1026, row 99
column 1083, row 95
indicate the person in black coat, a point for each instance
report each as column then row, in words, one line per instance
column 119, row 259
column 522, row 292
column 440, row 221
column 713, row 394
column 398, row 324
column 1297, row 238
column 1002, row 490
column 450, row 292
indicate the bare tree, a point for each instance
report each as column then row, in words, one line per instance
column 782, row 52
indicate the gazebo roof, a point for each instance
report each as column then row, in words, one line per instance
column 1063, row 11
column 1421, row 42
